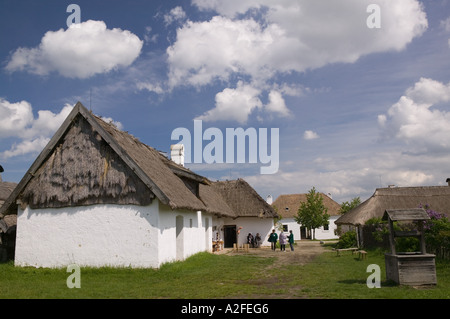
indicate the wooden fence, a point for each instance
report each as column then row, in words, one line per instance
column 441, row 252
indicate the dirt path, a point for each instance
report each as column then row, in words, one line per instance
column 304, row 252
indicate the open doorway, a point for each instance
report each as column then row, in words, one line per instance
column 305, row 233
column 229, row 236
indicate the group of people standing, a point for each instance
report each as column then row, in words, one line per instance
column 273, row 238
column 254, row 241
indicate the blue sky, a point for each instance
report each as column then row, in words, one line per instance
column 356, row 107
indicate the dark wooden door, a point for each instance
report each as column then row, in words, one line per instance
column 229, row 234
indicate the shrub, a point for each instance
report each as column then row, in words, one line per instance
column 380, row 228
column 381, row 233
column 437, row 232
column 347, row 240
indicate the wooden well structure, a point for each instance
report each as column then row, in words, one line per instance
column 409, row 268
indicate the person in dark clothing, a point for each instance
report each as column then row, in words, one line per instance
column 257, row 240
column 273, row 238
column 250, row 239
column 291, row 240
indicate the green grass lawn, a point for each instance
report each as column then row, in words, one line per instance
column 206, row 275
column 201, row 276
column 329, row 276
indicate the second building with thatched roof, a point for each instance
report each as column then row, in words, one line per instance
column 436, row 198
column 97, row 196
column 287, row 207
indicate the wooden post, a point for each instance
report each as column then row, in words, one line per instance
column 391, row 236
column 423, row 246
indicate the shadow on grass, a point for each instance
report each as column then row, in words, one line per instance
column 352, row 281
column 386, row 283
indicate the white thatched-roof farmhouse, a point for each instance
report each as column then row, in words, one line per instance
column 288, row 205
column 97, row 196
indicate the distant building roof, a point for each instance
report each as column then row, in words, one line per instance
column 437, row 197
column 288, row 205
column 6, row 189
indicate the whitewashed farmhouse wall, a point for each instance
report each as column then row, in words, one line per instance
column 321, row 233
column 121, row 203
column 124, row 235
column 252, row 225
column 291, row 224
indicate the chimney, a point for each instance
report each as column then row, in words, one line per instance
column 1, row 171
column 177, row 153
column 269, row 200
column 448, row 181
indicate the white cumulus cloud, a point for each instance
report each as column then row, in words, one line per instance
column 176, row 14
column 234, row 104
column 89, row 49
column 310, row 135
column 277, row 104
column 261, row 39
column 30, row 134
column 14, row 117
column 416, row 120
column 293, row 35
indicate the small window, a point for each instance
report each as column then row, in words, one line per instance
column 326, row 227
column 285, row 227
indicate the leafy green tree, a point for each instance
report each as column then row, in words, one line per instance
column 346, row 206
column 312, row 213
column 277, row 220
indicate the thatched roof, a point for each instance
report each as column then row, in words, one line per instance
column 438, row 197
column 214, row 202
column 6, row 189
column 288, row 205
column 243, row 200
column 89, row 161
column 7, row 222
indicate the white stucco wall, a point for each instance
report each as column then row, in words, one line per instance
column 195, row 237
column 330, row 233
column 291, row 225
column 99, row 235
column 253, row 225
column 320, row 232
column 109, row 235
